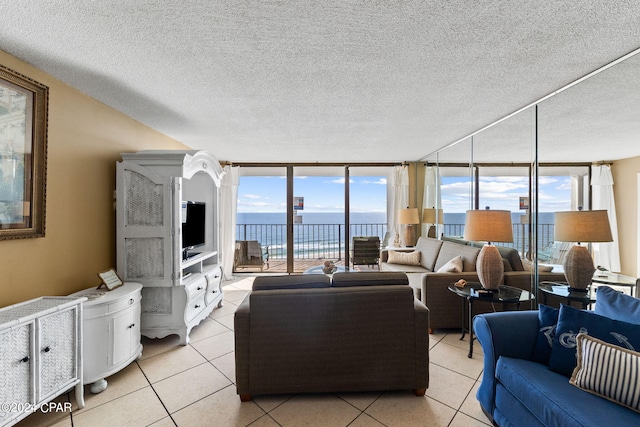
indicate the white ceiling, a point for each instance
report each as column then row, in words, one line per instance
column 334, row 81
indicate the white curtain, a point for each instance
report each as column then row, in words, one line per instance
column 432, row 197
column 228, row 209
column 398, row 198
column 606, row 255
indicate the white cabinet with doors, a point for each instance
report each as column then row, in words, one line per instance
column 40, row 354
column 111, row 321
column 155, row 192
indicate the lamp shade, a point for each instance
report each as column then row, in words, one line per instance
column 488, row 226
column 582, row 226
column 432, row 216
column 408, row 216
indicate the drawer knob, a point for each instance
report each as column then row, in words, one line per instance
column 197, row 306
column 131, row 325
column 130, row 301
column 25, row 359
column 47, row 349
column 199, row 288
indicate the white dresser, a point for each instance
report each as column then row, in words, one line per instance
column 40, row 354
column 111, row 321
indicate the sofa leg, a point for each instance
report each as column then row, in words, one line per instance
column 245, row 397
column 430, row 331
column 420, row 391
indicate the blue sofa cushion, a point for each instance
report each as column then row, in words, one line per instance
column 618, row 306
column 547, row 320
column 551, row 399
column 572, row 321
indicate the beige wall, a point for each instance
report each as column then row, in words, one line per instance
column 85, row 138
column 625, row 178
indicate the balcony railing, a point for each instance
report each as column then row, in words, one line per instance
column 327, row 241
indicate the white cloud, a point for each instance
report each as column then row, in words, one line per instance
column 253, row 196
column 381, row 181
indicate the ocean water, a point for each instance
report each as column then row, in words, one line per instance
column 311, row 218
column 322, row 235
column 359, row 218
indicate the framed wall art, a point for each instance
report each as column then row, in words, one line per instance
column 23, row 155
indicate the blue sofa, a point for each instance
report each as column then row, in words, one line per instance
column 520, row 389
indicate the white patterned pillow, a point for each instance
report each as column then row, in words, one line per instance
column 453, row 266
column 608, row 371
column 405, row 258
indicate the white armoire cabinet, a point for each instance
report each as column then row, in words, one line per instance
column 180, row 287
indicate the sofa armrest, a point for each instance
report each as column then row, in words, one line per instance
column 509, row 333
column 241, row 323
column 421, row 313
column 384, row 255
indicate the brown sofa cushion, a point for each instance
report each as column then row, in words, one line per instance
column 264, row 283
column 450, row 250
column 343, row 280
column 430, row 249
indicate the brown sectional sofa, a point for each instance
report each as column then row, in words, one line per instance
column 314, row 334
column 431, row 287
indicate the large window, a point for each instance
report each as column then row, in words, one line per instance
column 322, row 220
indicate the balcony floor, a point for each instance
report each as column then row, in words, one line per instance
column 300, row 265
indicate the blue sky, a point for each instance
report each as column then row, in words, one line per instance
column 321, row 193
column 504, row 192
column 369, row 194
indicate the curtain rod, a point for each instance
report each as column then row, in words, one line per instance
column 264, row 165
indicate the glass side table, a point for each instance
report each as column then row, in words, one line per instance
column 506, row 295
column 562, row 290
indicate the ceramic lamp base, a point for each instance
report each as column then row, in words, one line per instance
column 578, row 267
column 409, row 235
column 489, row 267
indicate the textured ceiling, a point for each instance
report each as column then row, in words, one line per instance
column 332, row 81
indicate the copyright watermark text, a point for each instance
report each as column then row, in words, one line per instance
column 7, row 407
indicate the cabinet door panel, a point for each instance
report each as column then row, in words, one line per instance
column 125, row 326
column 56, row 345
column 16, row 368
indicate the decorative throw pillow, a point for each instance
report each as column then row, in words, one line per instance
column 608, row 371
column 572, row 321
column 405, row 258
column 618, row 306
column 453, row 266
column 542, row 268
column 547, row 321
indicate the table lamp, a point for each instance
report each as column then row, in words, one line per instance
column 489, row 226
column 432, row 216
column 581, row 226
column 409, row 217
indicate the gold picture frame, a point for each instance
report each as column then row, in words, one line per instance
column 24, row 105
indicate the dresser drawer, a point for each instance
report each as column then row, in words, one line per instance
column 194, row 306
column 214, row 280
column 123, row 303
column 195, row 289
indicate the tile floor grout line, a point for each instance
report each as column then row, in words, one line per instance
column 155, row 392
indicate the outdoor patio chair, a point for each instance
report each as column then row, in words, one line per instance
column 250, row 254
column 366, row 251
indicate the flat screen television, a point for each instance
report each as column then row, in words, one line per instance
column 193, row 225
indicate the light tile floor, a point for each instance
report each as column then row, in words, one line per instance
column 193, row 385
